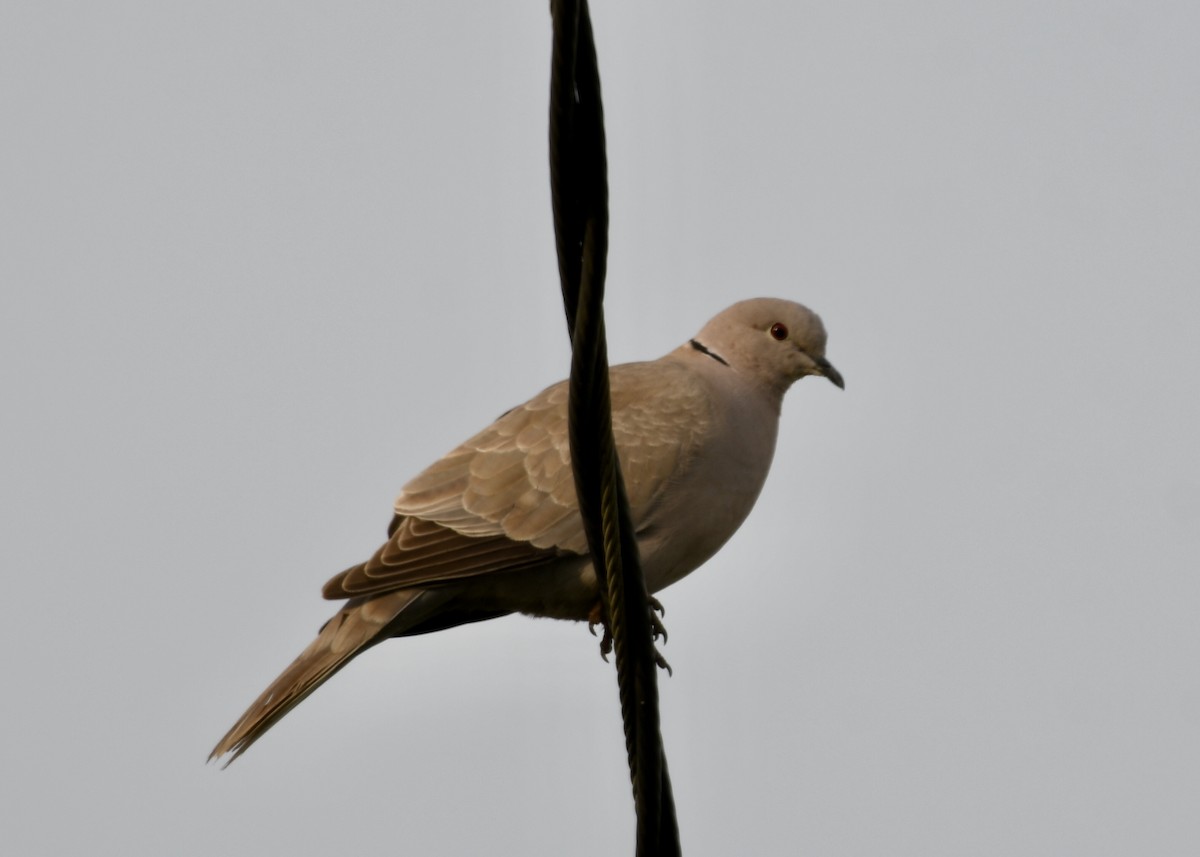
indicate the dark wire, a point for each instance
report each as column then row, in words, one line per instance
column 579, row 190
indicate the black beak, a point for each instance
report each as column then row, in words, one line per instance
column 834, row 376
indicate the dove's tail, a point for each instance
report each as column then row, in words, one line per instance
column 355, row 628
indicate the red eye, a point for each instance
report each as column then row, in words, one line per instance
column 779, row 330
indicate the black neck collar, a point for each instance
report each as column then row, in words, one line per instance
column 699, row 347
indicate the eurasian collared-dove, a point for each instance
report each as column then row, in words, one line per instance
column 493, row 527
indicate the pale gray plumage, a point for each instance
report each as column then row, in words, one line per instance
column 493, row 527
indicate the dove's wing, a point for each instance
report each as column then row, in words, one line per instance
column 505, row 499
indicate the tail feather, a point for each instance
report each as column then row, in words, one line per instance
column 353, row 629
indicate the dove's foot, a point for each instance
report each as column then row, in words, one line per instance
column 599, row 616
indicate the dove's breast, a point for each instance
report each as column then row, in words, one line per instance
column 724, row 465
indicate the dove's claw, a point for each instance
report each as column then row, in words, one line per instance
column 596, row 617
column 599, row 616
column 606, row 644
column 657, row 629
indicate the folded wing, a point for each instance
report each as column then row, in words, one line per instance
column 505, row 499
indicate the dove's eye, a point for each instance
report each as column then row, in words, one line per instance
column 779, row 331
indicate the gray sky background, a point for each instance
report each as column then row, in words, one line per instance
column 262, row 262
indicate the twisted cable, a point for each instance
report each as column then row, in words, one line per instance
column 579, row 191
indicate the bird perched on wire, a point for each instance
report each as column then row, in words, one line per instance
column 493, row 527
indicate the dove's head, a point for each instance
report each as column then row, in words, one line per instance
column 776, row 342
